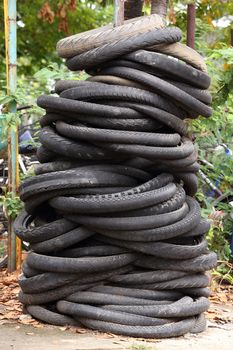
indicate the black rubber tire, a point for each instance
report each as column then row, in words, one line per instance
column 182, row 52
column 118, row 48
column 79, row 265
column 90, row 180
column 45, row 281
column 99, row 250
column 185, row 149
column 163, row 331
column 82, row 132
column 61, row 242
column 162, row 249
column 41, row 233
column 54, row 318
column 190, row 281
column 60, row 104
column 78, row 310
column 51, row 295
column 65, row 146
column 200, row 263
column 184, row 307
column 131, row 223
column 139, row 293
column 172, row 67
column 115, row 203
column 158, row 85
column 90, row 297
column 183, row 226
column 139, row 124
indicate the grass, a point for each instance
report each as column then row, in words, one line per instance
column 140, row 347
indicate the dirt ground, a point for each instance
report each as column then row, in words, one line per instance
column 18, row 331
column 25, row 337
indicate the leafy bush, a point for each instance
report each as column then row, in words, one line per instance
column 214, row 139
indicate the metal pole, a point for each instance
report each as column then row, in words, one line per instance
column 118, row 12
column 191, row 19
column 14, row 245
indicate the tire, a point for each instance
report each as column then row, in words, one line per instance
column 41, row 233
column 97, row 179
column 139, row 293
column 114, row 92
column 146, row 277
column 190, row 221
column 105, row 135
column 121, row 47
column 115, row 203
column 157, row 85
column 192, row 281
column 184, row 53
column 131, row 223
column 171, row 67
column 184, row 307
column 164, row 331
column 50, row 281
column 164, row 250
column 91, row 312
column 79, row 43
column 51, row 295
column 61, row 242
column 45, row 315
column 80, row 265
column 201, row 263
column 60, row 104
column 88, row 297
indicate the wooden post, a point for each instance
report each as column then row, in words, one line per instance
column 118, row 12
column 14, row 244
column 191, row 23
column 159, row 7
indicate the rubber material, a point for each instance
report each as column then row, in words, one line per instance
column 116, row 239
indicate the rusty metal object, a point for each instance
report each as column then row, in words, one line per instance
column 191, row 23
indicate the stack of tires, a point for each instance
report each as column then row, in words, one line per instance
column 117, row 239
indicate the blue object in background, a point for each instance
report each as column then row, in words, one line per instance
column 26, row 143
column 25, row 137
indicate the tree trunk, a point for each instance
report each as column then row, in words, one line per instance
column 159, row 7
column 133, row 8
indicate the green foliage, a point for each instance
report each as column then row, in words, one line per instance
column 207, row 13
column 30, row 172
column 220, row 64
column 224, row 272
column 54, row 72
column 11, row 204
column 11, row 121
column 214, row 136
column 37, row 38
